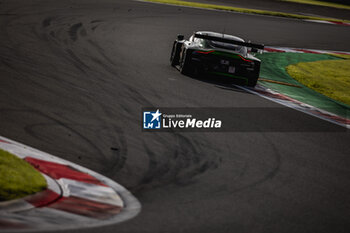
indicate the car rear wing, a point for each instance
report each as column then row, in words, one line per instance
column 230, row 41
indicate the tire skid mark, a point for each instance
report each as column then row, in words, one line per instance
column 78, row 63
column 101, row 51
column 47, row 22
column 73, row 30
column 183, row 162
column 114, row 161
column 81, row 66
column 30, row 129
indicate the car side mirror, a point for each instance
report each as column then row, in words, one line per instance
column 180, row 37
column 254, row 50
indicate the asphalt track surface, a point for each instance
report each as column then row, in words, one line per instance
column 75, row 75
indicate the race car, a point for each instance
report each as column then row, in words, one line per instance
column 217, row 54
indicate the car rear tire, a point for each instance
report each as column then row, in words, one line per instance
column 185, row 66
column 252, row 82
column 173, row 60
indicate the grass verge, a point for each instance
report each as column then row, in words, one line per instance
column 328, row 77
column 242, row 10
column 273, row 67
column 345, row 56
column 320, row 3
column 18, row 178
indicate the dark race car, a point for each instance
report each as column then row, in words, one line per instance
column 217, row 54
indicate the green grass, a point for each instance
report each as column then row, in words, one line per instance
column 345, row 56
column 242, row 10
column 320, row 3
column 328, row 77
column 273, row 67
column 18, row 178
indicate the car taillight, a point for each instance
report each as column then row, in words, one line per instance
column 244, row 59
column 204, row 52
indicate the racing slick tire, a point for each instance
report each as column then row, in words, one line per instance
column 173, row 60
column 185, row 64
column 252, row 82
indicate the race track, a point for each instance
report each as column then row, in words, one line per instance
column 75, row 75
